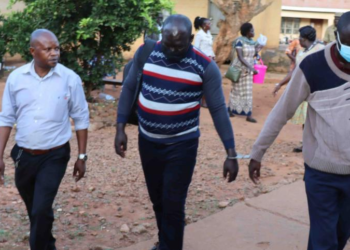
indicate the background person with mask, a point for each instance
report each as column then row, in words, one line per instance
column 175, row 77
column 323, row 80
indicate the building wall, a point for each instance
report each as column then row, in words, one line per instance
column 189, row 8
column 4, row 4
column 306, row 17
column 268, row 23
column 338, row 4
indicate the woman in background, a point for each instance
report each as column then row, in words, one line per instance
column 204, row 41
column 241, row 96
column 308, row 42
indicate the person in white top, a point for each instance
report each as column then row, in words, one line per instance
column 204, row 39
column 204, row 42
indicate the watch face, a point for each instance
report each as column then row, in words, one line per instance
column 83, row 157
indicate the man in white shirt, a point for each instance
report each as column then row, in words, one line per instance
column 40, row 97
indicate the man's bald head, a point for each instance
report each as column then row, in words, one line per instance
column 176, row 25
column 45, row 49
column 39, row 35
column 176, row 37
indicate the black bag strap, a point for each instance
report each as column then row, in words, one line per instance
column 147, row 49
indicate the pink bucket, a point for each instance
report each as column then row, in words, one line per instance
column 260, row 77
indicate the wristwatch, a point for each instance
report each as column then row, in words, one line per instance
column 83, row 157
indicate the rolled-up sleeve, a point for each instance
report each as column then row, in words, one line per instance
column 8, row 112
column 78, row 107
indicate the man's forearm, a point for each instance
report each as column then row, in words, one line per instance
column 291, row 57
column 121, row 127
column 231, row 152
column 4, row 137
column 82, row 136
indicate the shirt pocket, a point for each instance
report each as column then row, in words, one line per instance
column 59, row 110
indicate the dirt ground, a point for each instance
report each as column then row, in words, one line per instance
column 89, row 215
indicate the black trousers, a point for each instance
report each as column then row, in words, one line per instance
column 328, row 198
column 38, row 178
column 168, row 171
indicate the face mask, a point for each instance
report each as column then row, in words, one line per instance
column 173, row 55
column 344, row 50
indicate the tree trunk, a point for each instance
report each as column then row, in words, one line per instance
column 236, row 13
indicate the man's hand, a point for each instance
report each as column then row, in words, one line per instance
column 79, row 169
column 2, row 172
column 121, row 143
column 255, row 72
column 254, row 170
column 231, row 169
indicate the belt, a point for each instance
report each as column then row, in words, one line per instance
column 39, row 151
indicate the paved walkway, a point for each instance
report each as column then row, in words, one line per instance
column 275, row 221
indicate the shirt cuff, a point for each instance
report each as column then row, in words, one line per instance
column 230, row 143
column 122, row 118
column 256, row 155
column 7, row 124
column 80, row 125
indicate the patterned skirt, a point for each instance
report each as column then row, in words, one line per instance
column 299, row 117
column 241, row 96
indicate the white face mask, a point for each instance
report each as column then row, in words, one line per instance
column 344, row 50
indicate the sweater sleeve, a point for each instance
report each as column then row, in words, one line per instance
column 214, row 95
column 297, row 91
column 128, row 91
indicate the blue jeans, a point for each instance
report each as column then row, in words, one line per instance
column 37, row 179
column 328, row 198
column 168, row 172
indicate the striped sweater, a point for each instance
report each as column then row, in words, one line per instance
column 169, row 101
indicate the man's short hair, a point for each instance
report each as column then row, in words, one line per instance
column 344, row 22
column 38, row 33
column 179, row 20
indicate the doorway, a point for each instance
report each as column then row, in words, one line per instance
column 318, row 25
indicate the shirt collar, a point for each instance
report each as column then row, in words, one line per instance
column 29, row 68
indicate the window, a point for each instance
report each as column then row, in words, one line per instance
column 290, row 26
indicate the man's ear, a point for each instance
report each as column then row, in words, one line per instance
column 31, row 50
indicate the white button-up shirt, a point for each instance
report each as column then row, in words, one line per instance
column 41, row 107
column 204, row 42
